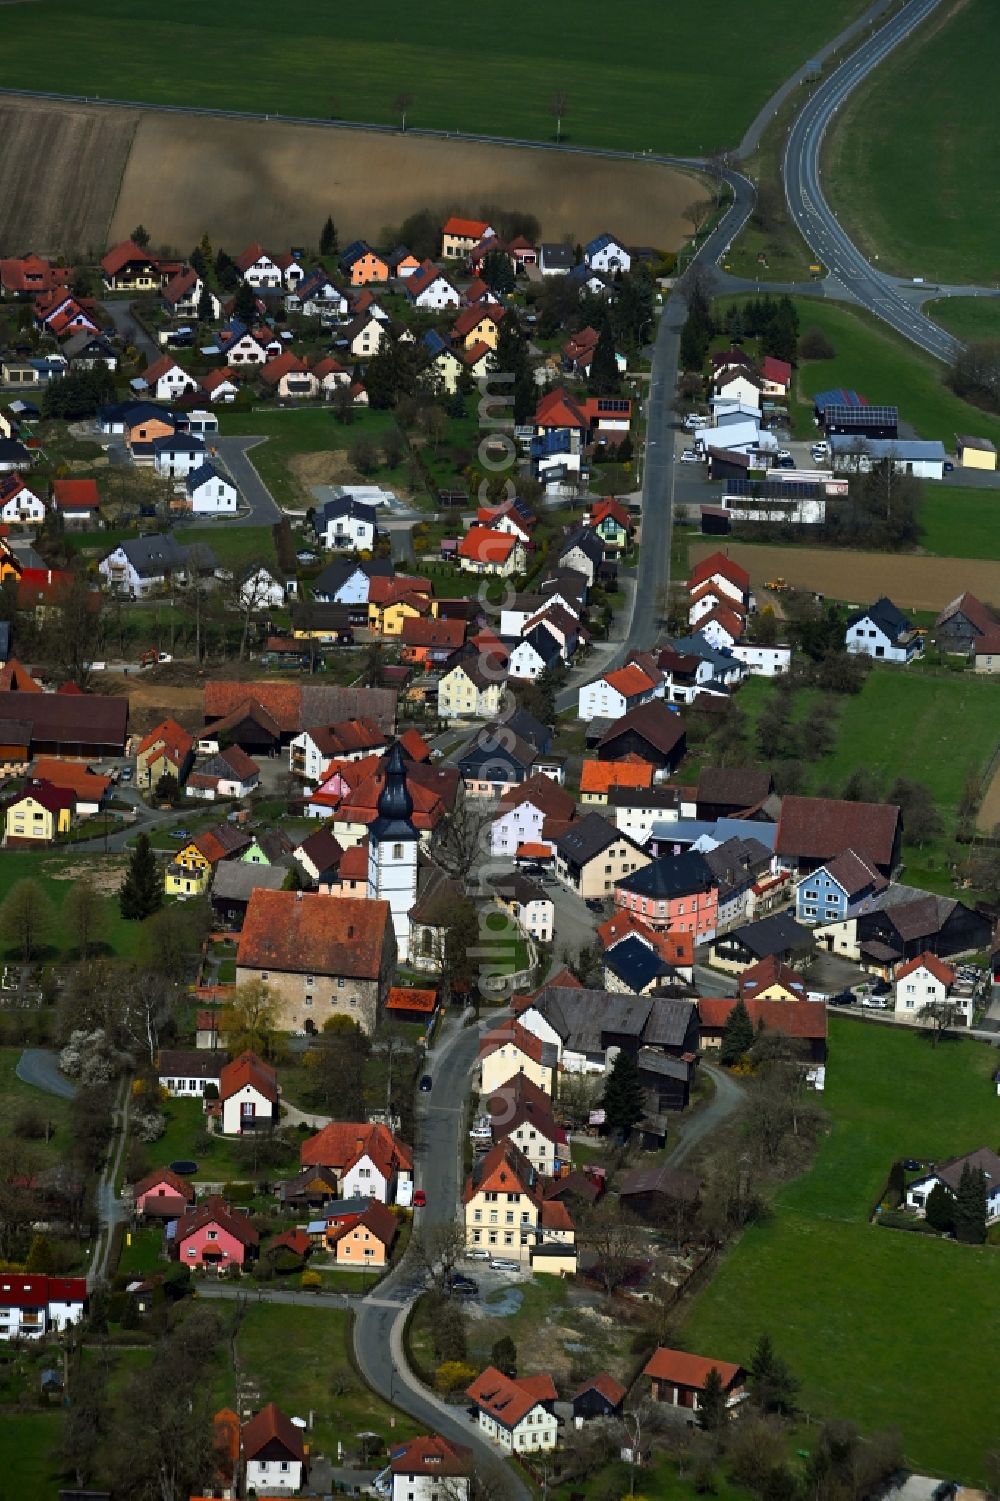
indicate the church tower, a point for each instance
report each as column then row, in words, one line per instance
column 393, row 843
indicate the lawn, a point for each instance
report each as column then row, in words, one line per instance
column 935, row 211
column 959, row 522
column 28, row 1443
column 677, row 79
column 839, row 1295
column 877, row 362
column 968, row 317
column 233, row 545
column 298, row 1357
column 294, row 432
column 141, row 1251
column 219, row 1162
column 16, row 1096
column 51, row 869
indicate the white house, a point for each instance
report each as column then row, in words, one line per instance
column 230, row 773
column 605, row 253
column 263, row 586
column 923, row 981
column 883, row 632
column 949, row 1174
column 210, row 493
column 274, row 1453
column 740, row 387
column 18, row 502
column 535, row 652
column 258, row 270
column 523, row 811
column 763, row 661
column 178, row 455
column 429, row 1468
column 430, row 288
column 346, row 522
column 185, row 1073
column 241, row 347
column 248, row 1092
column 165, row 380
column 613, row 694
column 516, row 1414
column 33, row 1305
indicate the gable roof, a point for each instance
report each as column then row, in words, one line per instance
column 465, row 229
column 75, row 494
column 183, row 1188
column 431, row 1455
column 767, row 972
column 588, row 837
column 682, row 1369
column 671, row 876
column 341, row 1144
column 508, row 1401
column 817, row 828
column 718, row 563
column 935, row 966
column 978, row 616
column 853, row 873
column 657, row 724
column 121, row 255
column 883, row 614
column 600, row 776
column 294, row 706
column 735, row 786
column 215, row 1211
column 272, row 1426
column 543, row 793
column 983, row 1160
column 519, row 1037
column 301, row 932
column 805, row 1019
column 611, row 1390
column 175, row 741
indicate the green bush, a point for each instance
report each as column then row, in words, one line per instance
column 898, row 1219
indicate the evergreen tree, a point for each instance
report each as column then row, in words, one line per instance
column 737, row 1034
column 772, row 1382
column 140, row 236
column 498, row 271
column 245, row 304
column 623, row 1100
column 970, row 1207
column 504, row 1355
column 604, row 379
column 712, row 1405
column 328, row 240
column 939, row 1211
column 206, row 310
column 225, row 271
column 141, row 890
column 511, row 358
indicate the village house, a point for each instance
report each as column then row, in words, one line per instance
column 429, row 288
column 429, row 643
column 523, row 812
column 530, row 906
column 459, row 237
column 679, row 1379
column 346, row 522
column 520, row 1112
column 812, row 830
column 393, row 600
column 802, row 1020
column 38, row 814
column 428, row 1468
column 348, row 740
column 140, row 565
column 190, row 872
column 273, row 1453
column 248, row 1096
column 369, row 1161
column 165, row 380
column 165, row 751
column 483, row 550
column 948, row 1174
column 366, row 1241
column 614, row 693
column 321, row 956
column 129, row 268
column 606, row 253
column 186, row 1073
column 288, row 377
column 593, row 856
column 162, row 1195
column 214, row 1236
column 76, row 500
column 883, row 632
column 516, row 1414
column 34, row 1304
column 651, row 731
column 18, row 502
column 505, row 1209
column 508, row 1050
column 474, row 688
column 230, row 773
column 210, row 492
column 675, row 892
column 962, row 624
column 362, row 265
column 926, row 981
column 839, row 889
column 600, row 1396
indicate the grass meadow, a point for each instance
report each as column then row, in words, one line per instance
column 668, row 76
column 880, row 1327
column 912, row 167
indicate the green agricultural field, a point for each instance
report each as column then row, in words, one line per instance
column 930, row 209
column 28, row 1448
column 877, row 362
column 968, row 317
column 675, row 78
column 960, row 522
column 838, row 1295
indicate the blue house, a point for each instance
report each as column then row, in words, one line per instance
column 838, row 890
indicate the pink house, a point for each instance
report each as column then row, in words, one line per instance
column 675, row 894
column 213, row 1235
column 162, row 1195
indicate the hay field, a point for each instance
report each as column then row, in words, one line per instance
column 913, row 582
column 60, row 169
column 276, row 182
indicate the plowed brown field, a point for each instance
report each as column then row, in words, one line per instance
column 912, row 582
column 276, row 183
column 60, row 169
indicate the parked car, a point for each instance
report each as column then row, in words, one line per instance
column 690, row 457
column 788, row 463
column 426, row 1084
column 842, row 998
column 126, row 773
column 874, row 1003
column 693, row 421
column 784, row 453
column 459, row 1282
column 503, row 1264
column 594, row 904
column 820, row 450
column 477, row 1254
column 180, row 834
column 911, row 1165
column 419, row 1199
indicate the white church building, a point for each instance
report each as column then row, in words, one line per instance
column 393, row 843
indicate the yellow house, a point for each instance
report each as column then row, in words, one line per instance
column 39, row 813
column 975, row 453
column 477, row 325
column 189, row 874
column 511, row 1049
column 447, row 367
column 466, row 692
column 502, row 1200
column 391, row 601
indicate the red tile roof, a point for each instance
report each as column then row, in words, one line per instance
column 215, row 1211
column 717, row 562
column 805, row 1019
column 770, row 971
column 271, row 1426
column 543, row 793
column 172, row 737
column 17, row 679
column 558, row 408
column 484, row 545
column 465, row 229
column 776, row 370
column 414, row 745
column 431, row 1455
column 511, row 1032
column 342, row 1143
column 471, row 317
column 935, row 966
column 630, row 681
column 75, row 494
column 727, row 618
column 118, row 258
column 300, row 932
column 610, row 1389
column 182, row 1188
column 682, row 1369
column 508, row 1401
column 354, row 862
column 400, row 998
column 599, row 776
column 248, row 1069
column 427, row 632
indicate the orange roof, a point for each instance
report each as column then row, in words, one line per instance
column 935, row 966
column 341, row 1143
column 727, row 618
column 509, row 1401
column 402, row 999
column 122, row 254
column 87, row 786
column 558, row 409
column 301, row 932
column 529, row 851
column 508, row 1032
column 174, row 739
column 609, row 507
column 431, row 1455
column 471, row 317
column 689, row 1370
column 226, row 1427
column 484, row 545
column 248, row 1069
column 465, row 229
column 629, row 681
column 599, row 776
column 806, row 1019
column 717, row 562
column 415, row 746
column 17, row 679
column 354, row 862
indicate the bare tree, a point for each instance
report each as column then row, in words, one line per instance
column 939, row 1015
column 401, row 104
column 558, row 109
column 250, row 588
column 616, row 1240
column 435, row 1250
column 698, row 214
column 461, row 841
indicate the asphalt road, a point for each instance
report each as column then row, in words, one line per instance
column 40, row 1068
column 816, row 221
column 264, row 509
column 725, row 1102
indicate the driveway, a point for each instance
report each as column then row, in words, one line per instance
column 728, row 1098
column 40, row 1068
column 129, row 329
column 264, row 509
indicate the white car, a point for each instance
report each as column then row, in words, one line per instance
column 693, row 421
column 502, row 1264
column 874, row 1003
column 783, row 453
column 820, row 450
column 477, row 1254
column 690, row 457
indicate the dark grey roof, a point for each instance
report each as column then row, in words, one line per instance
column 671, row 876
column 395, row 805
column 203, row 474
column 583, row 1017
column 544, row 642
column 669, row 1022
column 774, row 935
column 514, row 887
column 736, row 858
column 557, row 256
column 635, row 964
column 152, row 555
column 178, row 443
column 335, row 575
column 346, row 505
column 884, row 614
column 191, row 1063
column 589, row 543
column 642, row 797
column 524, row 724
column 235, row 879
column 587, row 838
column 672, row 1182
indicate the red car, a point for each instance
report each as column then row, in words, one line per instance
column 419, row 1199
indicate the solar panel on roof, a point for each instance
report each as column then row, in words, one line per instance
column 866, row 416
